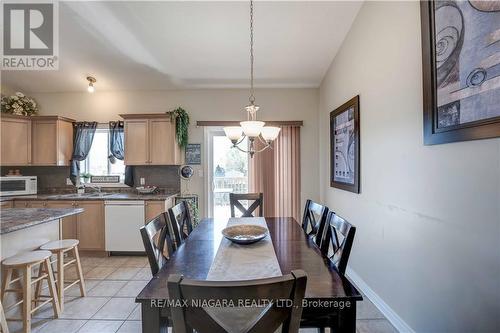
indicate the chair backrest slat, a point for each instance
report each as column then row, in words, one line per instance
column 235, row 202
column 196, row 293
column 157, row 240
column 313, row 222
column 180, row 221
column 337, row 241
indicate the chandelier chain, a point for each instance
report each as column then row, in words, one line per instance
column 252, row 97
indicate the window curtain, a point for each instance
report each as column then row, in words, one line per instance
column 117, row 148
column 83, row 135
column 276, row 173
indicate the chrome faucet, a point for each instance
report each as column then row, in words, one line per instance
column 95, row 188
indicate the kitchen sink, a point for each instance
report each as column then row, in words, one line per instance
column 99, row 195
column 81, row 195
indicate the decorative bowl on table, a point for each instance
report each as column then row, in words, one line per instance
column 146, row 189
column 244, row 233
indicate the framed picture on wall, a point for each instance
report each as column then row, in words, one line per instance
column 344, row 146
column 193, row 153
column 461, row 70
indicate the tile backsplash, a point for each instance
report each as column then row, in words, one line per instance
column 48, row 177
column 53, row 178
column 163, row 176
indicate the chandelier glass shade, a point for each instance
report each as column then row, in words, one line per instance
column 251, row 128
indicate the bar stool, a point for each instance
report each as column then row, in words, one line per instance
column 24, row 263
column 3, row 321
column 59, row 248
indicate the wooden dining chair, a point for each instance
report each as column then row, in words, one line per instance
column 180, row 221
column 235, row 202
column 313, row 222
column 337, row 241
column 196, row 294
column 157, row 240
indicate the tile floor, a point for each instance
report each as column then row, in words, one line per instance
column 112, row 284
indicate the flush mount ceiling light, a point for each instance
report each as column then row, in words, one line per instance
column 251, row 128
column 91, row 80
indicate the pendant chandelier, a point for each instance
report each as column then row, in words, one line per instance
column 251, row 128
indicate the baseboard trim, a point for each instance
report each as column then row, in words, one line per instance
column 386, row 310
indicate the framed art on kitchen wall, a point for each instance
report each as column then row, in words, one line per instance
column 344, row 146
column 461, row 70
column 193, row 153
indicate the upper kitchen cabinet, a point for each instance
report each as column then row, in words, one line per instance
column 51, row 140
column 150, row 140
column 16, row 140
column 39, row 140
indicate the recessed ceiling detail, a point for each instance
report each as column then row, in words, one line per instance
column 191, row 45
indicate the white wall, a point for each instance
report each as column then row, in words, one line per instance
column 210, row 104
column 428, row 217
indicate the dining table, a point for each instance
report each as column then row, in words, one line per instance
column 330, row 298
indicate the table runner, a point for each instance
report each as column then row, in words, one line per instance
column 235, row 262
column 245, row 262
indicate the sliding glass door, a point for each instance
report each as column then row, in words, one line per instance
column 227, row 172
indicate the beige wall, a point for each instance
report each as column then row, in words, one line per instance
column 6, row 90
column 214, row 104
column 428, row 217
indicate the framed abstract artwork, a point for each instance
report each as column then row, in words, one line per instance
column 344, row 146
column 461, row 70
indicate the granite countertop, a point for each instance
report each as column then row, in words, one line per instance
column 93, row 196
column 13, row 219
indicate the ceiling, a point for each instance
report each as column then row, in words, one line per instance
column 191, row 45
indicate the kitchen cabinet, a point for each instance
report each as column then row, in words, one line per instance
column 37, row 204
column 136, row 142
column 87, row 227
column 16, row 140
column 90, row 225
column 163, row 147
column 150, row 140
column 52, row 140
column 30, row 204
column 38, row 140
column 6, row 204
column 69, row 224
column 153, row 208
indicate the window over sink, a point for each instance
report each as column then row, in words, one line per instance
column 98, row 162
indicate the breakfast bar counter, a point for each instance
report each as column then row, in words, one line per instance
column 26, row 229
column 13, row 219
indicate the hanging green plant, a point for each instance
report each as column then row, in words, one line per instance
column 181, row 126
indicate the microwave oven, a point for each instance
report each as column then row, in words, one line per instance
column 18, row 185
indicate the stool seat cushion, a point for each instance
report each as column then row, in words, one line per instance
column 60, row 245
column 26, row 258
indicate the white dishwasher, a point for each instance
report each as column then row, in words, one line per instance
column 123, row 220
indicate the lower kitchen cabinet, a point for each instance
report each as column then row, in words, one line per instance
column 90, row 225
column 30, row 204
column 20, row 204
column 37, row 204
column 69, row 224
column 153, row 208
column 87, row 227
column 6, row 204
